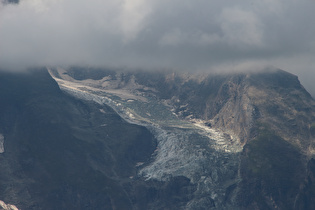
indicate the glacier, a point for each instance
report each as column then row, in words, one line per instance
column 189, row 148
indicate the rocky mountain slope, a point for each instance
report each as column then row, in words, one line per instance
column 63, row 153
column 156, row 140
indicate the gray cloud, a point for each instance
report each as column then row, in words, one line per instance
column 180, row 34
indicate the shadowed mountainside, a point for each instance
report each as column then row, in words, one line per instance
column 62, row 153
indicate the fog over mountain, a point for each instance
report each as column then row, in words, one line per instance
column 186, row 35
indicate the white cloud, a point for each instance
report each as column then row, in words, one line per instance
column 132, row 17
column 180, row 34
column 241, row 27
column 177, row 37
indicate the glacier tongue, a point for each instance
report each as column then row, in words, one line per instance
column 184, row 152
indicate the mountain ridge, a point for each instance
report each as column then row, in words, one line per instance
column 258, row 108
column 151, row 140
column 214, row 97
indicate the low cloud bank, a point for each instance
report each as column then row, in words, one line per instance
column 190, row 35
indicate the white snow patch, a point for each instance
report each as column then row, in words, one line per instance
column 223, row 143
column 5, row 206
column 139, row 164
column 1, row 143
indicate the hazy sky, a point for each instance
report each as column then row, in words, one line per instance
column 207, row 35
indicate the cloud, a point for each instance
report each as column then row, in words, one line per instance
column 150, row 34
column 132, row 17
column 241, row 27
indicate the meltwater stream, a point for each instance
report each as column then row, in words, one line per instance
column 205, row 156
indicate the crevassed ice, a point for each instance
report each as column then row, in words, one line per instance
column 187, row 149
column 183, row 147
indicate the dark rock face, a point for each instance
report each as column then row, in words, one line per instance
column 172, row 194
column 80, row 73
column 12, row 1
column 305, row 199
column 272, row 172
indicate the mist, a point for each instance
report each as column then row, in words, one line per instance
column 186, row 35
